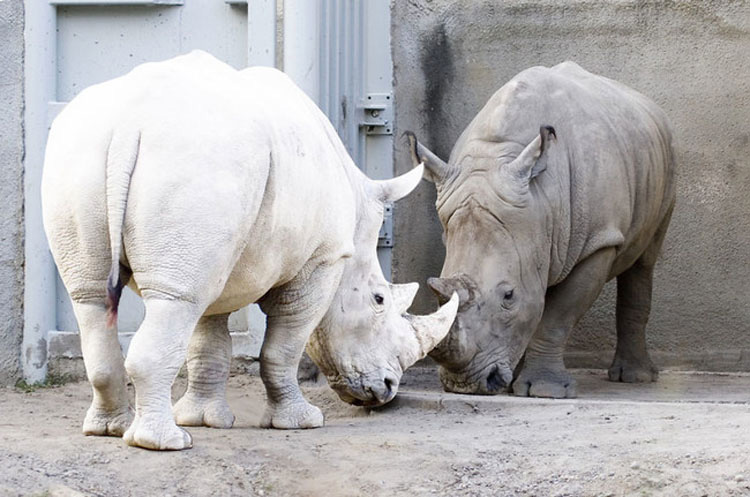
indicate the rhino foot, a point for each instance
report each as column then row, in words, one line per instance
column 292, row 416
column 157, row 433
column 544, row 382
column 101, row 422
column 633, row 371
column 192, row 410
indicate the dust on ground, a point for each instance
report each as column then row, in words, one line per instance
column 688, row 434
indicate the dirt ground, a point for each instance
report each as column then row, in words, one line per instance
column 689, row 435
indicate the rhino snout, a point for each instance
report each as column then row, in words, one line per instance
column 489, row 381
column 369, row 391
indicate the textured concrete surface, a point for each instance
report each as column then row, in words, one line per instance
column 690, row 57
column 11, row 189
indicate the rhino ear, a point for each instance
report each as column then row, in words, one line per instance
column 527, row 165
column 390, row 190
column 403, row 296
column 435, row 169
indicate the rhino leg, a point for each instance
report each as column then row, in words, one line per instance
column 208, row 359
column 155, row 356
column 632, row 363
column 110, row 413
column 293, row 310
column 543, row 373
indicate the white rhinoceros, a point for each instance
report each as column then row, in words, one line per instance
column 563, row 181
column 206, row 189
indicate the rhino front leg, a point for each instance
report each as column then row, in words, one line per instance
column 155, row 356
column 208, row 360
column 110, row 412
column 543, row 373
column 293, row 311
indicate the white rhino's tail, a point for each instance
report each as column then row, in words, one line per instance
column 121, row 159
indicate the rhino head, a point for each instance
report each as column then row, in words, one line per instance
column 497, row 256
column 367, row 339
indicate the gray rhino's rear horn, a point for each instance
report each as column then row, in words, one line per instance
column 435, row 169
column 445, row 287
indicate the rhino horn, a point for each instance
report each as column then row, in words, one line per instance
column 435, row 169
column 444, row 288
column 431, row 329
column 403, row 295
column 527, row 165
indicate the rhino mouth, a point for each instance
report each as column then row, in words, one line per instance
column 364, row 391
column 491, row 380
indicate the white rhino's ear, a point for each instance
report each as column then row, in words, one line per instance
column 435, row 169
column 403, row 296
column 527, row 165
column 390, row 190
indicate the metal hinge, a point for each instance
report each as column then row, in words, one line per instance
column 385, row 237
column 377, row 114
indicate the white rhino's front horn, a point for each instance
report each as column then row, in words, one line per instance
column 431, row 329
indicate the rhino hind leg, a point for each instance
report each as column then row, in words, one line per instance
column 632, row 363
column 155, row 356
column 208, row 359
column 110, row 412
column 543, row 373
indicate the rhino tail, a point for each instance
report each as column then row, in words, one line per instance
column 121, row 158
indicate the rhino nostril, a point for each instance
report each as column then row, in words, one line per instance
column 388, row 385
column 495, row 380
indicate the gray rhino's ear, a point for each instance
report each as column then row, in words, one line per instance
column 527, row 165
column 435, row 169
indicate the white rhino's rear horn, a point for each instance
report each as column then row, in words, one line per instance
column 430, row 330
column 403, row 295
column 435, row 169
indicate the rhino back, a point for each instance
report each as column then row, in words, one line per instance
column 609, row 179
column 235, row 182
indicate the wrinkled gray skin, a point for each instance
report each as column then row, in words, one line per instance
column 563, row 181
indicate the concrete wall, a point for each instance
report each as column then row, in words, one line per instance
column 691, row 57
column 11, row 189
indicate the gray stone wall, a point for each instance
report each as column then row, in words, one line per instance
column 692, row 57
column 11, row 189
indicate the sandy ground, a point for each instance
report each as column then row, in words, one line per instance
column 687, row 435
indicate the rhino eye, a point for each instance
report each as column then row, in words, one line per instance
column 379, row 299
column 508, row 295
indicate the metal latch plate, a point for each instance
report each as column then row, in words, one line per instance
column 377, row 114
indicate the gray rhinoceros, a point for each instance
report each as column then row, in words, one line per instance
column 206, row 189
column 563, row 181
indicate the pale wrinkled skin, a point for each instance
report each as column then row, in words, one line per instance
column 563, row 181
column 222, row 188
